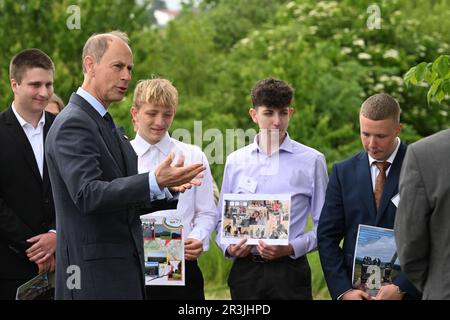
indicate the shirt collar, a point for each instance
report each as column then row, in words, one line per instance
column 391, row 157
column 142, row 146
column 92, row 101
column 23, row 122
column 286, row 145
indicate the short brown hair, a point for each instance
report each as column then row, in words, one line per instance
column 381, row 106
column 28, row 59
column 272, row 93
column 160, row 92
column 97, row 44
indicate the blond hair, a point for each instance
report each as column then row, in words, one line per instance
column 56, row 99
column 160, row 92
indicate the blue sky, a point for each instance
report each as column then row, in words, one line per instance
column 376, row 243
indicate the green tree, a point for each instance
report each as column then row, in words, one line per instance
column 215, row 52
column 44, row 24
column 435, row 74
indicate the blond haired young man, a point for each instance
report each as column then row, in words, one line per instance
column 154, row 107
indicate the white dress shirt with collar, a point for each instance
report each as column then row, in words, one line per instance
column 374, row 169
column 196, row 205
column 35, row 137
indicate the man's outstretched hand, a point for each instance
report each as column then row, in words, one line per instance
column 178, row 178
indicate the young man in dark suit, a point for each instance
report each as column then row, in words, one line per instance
column 27, row 217
column 98, row 193
column 362, row 190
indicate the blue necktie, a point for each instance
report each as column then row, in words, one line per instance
column 109, row 120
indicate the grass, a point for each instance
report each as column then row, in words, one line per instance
column 215, row 268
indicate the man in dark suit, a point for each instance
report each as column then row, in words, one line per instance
column 422, row 223
column 27, row 217
column 98, row 193
column 362, row 190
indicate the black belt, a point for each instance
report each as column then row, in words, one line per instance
column 259, row 259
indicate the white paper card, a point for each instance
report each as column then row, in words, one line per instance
column 396, row 199
column 256, row 217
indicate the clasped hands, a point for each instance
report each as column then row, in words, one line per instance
column 42, row 251
column 268, row 252
column 387, row 292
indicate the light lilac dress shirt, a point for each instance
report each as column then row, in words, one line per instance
column 295, row 169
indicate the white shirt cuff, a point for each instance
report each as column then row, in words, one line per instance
column 155, row 192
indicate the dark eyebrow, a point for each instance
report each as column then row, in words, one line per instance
column 39, row 82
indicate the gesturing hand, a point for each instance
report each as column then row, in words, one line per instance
column 178, row 177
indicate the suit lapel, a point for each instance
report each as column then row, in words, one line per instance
column 128, row 152
column 391, row 185
column 22, row 142
column 113, row 145
column 365, row 184
column 45, row 178
column 105, row 131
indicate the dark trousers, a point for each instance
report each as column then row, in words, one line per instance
column 282, row 279
column 192, row 290
column 8, row 288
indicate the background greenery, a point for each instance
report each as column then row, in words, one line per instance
column 214, row 53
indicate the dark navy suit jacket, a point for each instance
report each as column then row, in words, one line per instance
column 98, row 201
column 349, row 202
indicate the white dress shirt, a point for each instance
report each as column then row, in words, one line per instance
column 35, row 137
column 196, row 205
column 374, row 169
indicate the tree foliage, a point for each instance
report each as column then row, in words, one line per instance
column 215, row 52
column 435, row 74
column 44, row 24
